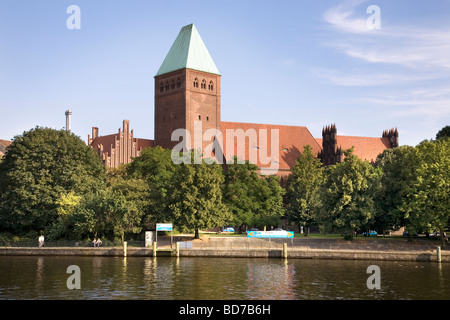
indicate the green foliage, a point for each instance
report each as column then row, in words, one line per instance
column 41, row 165
column 427, row 203
column 51, row 182
column 252, row 200
column 303, row 197
column 347, row 194
column 398, row 167
column 195, row 199
column 155, row 168
column 443, row 133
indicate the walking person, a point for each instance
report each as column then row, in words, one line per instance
column 41, row 241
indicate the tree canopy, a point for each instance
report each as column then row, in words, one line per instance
column 443, row 133
column 40, row 167
column 427, row 201
column 303, row 198
column 347, row 194
column 195, row 200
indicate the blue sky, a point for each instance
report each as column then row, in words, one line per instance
column 305, row 62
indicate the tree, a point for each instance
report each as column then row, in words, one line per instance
column 196, row 197
column 252, row 199
column 155, row 168
column 427, row 199
column 303, row 187
column 443, row 133
column 398, row 168
column 272, row 207
column 41, row 165
column 239, row 192
column 135, row 190
column 347, row 194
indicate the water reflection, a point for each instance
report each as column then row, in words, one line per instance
column 218, row 278
column 270, row 281
column 39, row 273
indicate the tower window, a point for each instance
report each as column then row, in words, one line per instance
column 167, row 85
column 161, row 87
column 207, row 118
column 195, row 83
column 211, row 85
column 199, row 117
column 178, row 83
column 172, row 85
column 203, row 84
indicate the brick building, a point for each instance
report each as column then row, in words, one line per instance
column 119, row 148
column 187, row 102
column 3, row 145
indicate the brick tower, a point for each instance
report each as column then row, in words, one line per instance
column 331, row 153
column 187, row 90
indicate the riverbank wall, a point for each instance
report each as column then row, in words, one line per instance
column 363, row 249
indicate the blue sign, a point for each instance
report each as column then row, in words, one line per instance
column 270, row 234
column 163, row 227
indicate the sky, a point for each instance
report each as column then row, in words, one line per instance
column 364, row 65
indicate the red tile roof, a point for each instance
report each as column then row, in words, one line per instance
column 365, row 148
column 291, row 142
column 3, row 145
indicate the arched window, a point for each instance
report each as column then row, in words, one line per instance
column 195, row 83
column 211, row 85
column 167, row 85
column 178, row 83
column 203, row 84
column 172, row 85
column 161, row 87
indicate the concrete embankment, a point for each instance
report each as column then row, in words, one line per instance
column 361, row 249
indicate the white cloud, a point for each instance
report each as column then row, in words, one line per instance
column 433, row 103
column 341, row 18
column 417, row 47
column 351, row 78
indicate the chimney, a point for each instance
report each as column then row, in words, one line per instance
column 392, row 135
column 68, row 114
column 94, row 133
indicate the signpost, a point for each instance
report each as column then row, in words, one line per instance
column 164, row 227
column 270, row 234
column 148, row 238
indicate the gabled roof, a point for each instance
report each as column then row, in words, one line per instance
column 188, row 52
column 365, row 148
column 291, row 141
column 3, row 145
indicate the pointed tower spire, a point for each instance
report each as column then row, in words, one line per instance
column 187, row 91
column 188, row 52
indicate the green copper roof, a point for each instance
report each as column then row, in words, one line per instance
column 188, row 51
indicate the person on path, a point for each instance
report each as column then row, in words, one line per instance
column 41, row 241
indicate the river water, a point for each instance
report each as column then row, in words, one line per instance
column 217, row 279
